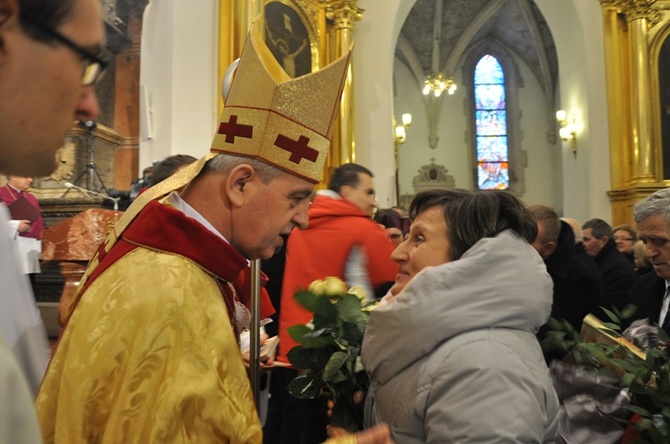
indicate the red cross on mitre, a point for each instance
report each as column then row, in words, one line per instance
column 299, row 149
column 233, row 129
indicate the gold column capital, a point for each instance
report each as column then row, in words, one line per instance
column 637, row 9
column 345, row 13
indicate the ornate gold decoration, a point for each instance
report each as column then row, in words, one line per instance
column 329, row 24
column 283, row 121
column 632, row 46
column 639, row 9
column 344, row 13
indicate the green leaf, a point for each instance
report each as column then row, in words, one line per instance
column 359, row 365
column 319, row 341
column 338, row 377
column 638, row 410
column 628, row 311
column 350, row 310
column 336, row 361
column 612, row 329
column 325, row 314
column 308, row 358
column 308, row 300
column 613, row 317
column 297, row 332
column 304, row 387
column 627, row 379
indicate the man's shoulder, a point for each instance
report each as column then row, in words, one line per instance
column 647, row 283
column 612, row 258
column 153, row 274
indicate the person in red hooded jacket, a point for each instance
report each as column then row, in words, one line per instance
column 342, row 241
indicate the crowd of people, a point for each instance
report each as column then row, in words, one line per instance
column 467, row 281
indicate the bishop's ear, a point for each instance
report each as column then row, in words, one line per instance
column 239, row 183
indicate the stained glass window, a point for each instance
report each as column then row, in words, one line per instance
column 491, row 125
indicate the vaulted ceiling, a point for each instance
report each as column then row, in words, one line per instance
column 438, row 33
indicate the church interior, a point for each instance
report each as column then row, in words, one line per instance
column 564, row 103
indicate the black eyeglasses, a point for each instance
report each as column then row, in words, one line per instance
column 94, row 66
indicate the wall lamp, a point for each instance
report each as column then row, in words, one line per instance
column 400, row 131
column 567, row 125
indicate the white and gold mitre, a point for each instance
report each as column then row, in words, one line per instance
column 285, row 122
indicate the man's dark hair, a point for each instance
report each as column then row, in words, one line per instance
column 347, row 175
column 599, row 228
column 168, row 166
column 48, row 13
column 389, row 218
column 472, row 216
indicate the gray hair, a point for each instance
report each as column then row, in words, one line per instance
column 657, row 203
column 224, row 163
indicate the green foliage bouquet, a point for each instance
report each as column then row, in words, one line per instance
column 646, row 379
column 330, row 347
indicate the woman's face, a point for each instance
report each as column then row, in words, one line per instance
column 624, row 241
column 426, row 245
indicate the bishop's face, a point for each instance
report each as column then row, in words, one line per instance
column 275, row 209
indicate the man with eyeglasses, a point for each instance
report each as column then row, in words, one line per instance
column 48, row 66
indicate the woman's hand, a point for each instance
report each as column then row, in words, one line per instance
column 378, row 434
column 357, row 398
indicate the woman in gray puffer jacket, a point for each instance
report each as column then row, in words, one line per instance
column 451, row 352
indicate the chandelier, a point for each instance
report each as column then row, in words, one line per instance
column 439, row 83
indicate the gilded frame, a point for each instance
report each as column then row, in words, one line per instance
column 657, row 40
column 287, row 23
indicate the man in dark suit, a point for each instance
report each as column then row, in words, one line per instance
column 649, row 293
column 578, row 284
column 618, row 273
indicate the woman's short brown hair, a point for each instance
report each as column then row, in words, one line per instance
column 472, row 216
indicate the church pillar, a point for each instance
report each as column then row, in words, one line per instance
column 344, row 14
column 635, row 158
column 640, row 86
column 618, row 94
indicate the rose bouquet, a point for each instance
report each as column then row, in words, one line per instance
column 330, row 347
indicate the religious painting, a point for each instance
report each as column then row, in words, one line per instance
column 664, row 93
column 287, row 37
